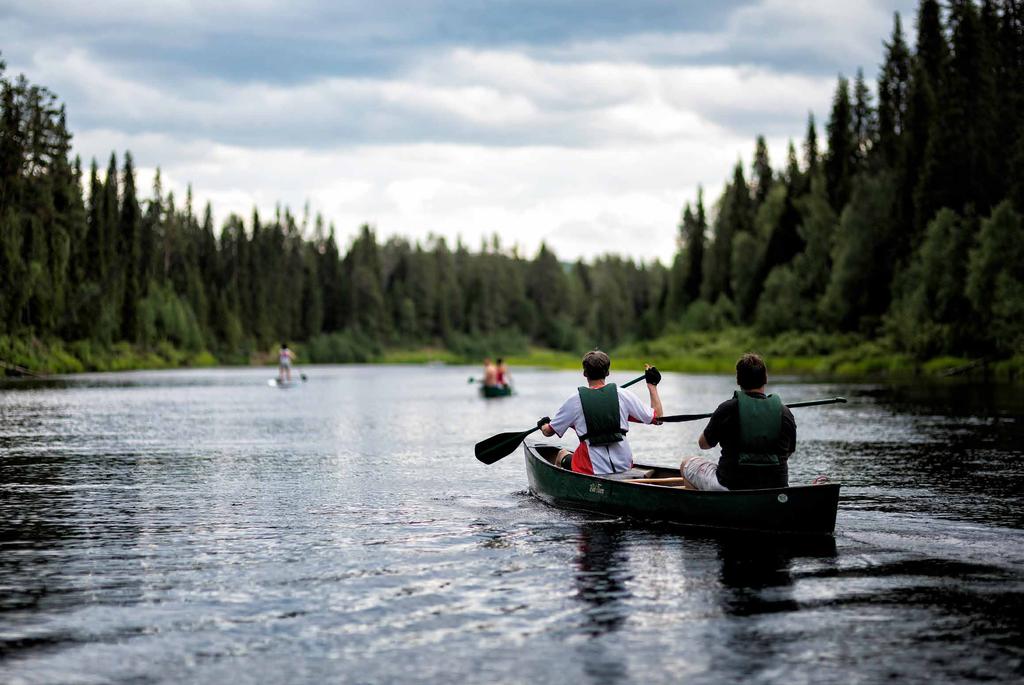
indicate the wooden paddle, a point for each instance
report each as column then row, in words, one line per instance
column 503, row 444
column 679, row 418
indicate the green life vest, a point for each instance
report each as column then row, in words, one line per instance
column 601, row 412
column 760, row 428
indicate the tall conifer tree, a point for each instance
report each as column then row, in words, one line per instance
column 761, row 173
column 811, row 154
column 841, row 147
column 131, row 251
column 864, row 123
column 695, row 240
column 893, row 97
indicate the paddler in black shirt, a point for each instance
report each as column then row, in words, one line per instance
column 757, row 434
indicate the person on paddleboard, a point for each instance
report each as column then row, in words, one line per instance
column 757, row 433
column 600, row 414
column 284, row 363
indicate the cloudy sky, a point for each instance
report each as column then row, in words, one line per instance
column 587, row 125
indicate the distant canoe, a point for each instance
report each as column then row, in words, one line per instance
column 803, row 509
column 495, row 390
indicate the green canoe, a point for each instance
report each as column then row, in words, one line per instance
column 804, row 509
column 495, row 390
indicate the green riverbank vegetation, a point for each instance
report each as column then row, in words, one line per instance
column 895, row 246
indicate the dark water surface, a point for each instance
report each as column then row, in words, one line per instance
column 200, row 526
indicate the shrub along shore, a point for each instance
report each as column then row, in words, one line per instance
column 712, row 353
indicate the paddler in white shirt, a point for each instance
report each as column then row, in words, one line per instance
column 600, row 414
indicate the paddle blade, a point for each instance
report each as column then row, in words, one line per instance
column 499, row 446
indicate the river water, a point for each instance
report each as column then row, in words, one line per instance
column 200, row 526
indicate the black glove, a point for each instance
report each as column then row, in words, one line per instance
column 652, row 376
column 546, row 419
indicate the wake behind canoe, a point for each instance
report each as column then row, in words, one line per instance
column 803, row 509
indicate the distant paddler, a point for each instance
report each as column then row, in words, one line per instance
column 284, row 364
column 503, row 378
column 600, row 414
column 490, row 373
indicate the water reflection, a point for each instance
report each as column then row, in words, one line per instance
column 602, row 572
column 755, row 562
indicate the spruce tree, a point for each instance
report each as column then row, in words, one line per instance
column 97, row 258
column 793, row 176
column 841, row 147
column 677, row 298
column 928, row 67
column 864, row 123
column 957, row 168
column 893, row 97
column 811, row 155
column 110, row 210
column 734, row 217
column 695, row 241
column 761, row 173
column 1010, row 87
column 130, row 251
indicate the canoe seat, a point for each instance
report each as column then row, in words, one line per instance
column 630, row 475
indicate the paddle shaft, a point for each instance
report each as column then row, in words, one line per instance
column 634, row 381
column 679, row 418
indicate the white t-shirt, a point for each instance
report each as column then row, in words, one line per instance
column 617, row 456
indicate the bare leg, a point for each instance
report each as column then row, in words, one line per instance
column 561, row 454
column 682, row 471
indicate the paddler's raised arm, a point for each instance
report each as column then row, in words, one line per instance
column 653, row 377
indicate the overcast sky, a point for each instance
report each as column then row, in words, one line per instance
column 587, row 125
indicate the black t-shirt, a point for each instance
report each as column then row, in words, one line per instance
column 724, row 429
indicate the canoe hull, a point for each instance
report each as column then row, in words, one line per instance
column 801, row 510
column 495, row 391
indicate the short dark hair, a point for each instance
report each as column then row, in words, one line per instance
column 500, row 360
column 751, row 372
column 596, row 365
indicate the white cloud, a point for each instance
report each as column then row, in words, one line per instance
column 623, row 199
column 463, row 96
column 589, row 145
column 855, row 29
column 803, row 33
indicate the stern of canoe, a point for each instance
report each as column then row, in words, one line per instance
column 801, row 509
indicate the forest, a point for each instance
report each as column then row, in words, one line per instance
column 899, row 223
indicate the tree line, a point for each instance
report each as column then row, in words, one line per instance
column 904, row 223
